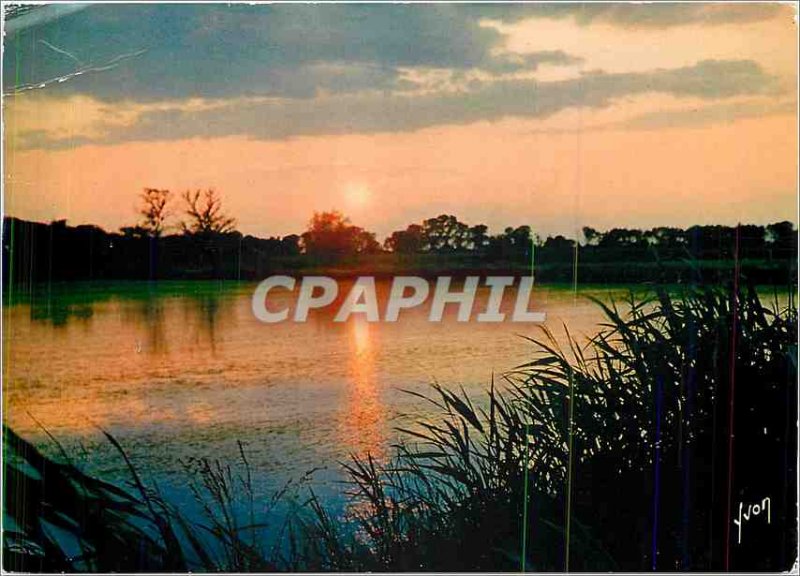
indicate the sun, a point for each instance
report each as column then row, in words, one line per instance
column 357, row 194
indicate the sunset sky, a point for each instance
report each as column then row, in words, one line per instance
column 555, row 116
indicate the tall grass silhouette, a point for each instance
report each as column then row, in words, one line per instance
column 626, row 442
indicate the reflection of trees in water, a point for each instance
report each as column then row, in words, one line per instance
column 59, row 313
column 204, row 311
column 208, row 307
column 149, row 314
column 152, row 311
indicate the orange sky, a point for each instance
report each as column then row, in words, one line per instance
column 654, row 156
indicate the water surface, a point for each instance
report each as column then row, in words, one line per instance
column 181, row 370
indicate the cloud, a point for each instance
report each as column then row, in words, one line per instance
column 295, row 51
column 212, row 51
column 20, row 16
column 170, row 71
column 711, row 114
column 36, row 118
column 270, row 118
column 649, row 15
column 292, row 51
column 509, row 63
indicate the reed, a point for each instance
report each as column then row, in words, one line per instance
column 627, row 451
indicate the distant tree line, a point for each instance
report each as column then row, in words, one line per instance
column 200, row 240
column 446, row 234
column 205, row 245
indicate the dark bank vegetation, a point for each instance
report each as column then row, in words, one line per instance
column 630, row 451
column 197, row 239
column 35, row 253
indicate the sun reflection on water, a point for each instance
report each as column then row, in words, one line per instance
column 364, row 414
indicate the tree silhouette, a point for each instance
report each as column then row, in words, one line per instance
column 204, row 209
column 330, row 234
column 445, row 233
column 514, row 244
column 407, row 241
column 366, row 243
column 478, row 237
column 290, row 245
column 781, row 234
column 592, row 236
column 619, row 237
column 154, row 211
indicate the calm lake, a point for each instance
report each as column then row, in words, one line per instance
column 182, row 370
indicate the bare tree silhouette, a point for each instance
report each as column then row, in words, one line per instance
column 154, row 211
column 204, row 209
